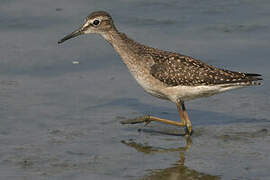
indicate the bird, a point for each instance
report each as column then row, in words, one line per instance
column 163, row 74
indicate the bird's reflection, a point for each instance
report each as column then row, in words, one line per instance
column 178, row 171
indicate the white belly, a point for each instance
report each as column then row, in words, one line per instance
column 186, row 93
column 151, row 86
column 176, row 93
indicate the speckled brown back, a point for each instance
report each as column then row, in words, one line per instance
column 175, row 69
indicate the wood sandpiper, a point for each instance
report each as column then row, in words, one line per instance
column 166, row 75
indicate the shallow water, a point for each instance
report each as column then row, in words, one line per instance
column 60, row 120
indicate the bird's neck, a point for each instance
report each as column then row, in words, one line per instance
column 133, row 54
column 113, row 36
column 124, row 46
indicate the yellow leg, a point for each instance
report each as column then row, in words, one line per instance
column 181, row 113
column 148, row 119
column 153, row 118
column 185, row 122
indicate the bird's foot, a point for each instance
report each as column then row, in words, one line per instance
column 188, row 130
column 140, row 119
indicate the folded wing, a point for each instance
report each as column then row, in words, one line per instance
column 176, row 69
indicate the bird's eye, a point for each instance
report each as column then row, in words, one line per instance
column 96, row 22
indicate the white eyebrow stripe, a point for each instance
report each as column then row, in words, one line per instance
column 97, row 18
column 90, row 21
column 86, row 24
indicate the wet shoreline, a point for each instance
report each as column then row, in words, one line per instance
column 61, row 106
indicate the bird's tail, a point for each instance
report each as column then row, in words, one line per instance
column 254, row 79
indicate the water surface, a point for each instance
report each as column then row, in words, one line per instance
column 60, row 120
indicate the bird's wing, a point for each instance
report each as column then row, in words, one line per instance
column 176, row 69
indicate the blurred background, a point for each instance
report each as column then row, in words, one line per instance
column 61, row 105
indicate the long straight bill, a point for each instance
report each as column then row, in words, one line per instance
column 71, row 35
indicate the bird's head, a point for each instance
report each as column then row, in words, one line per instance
column 98, row 22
